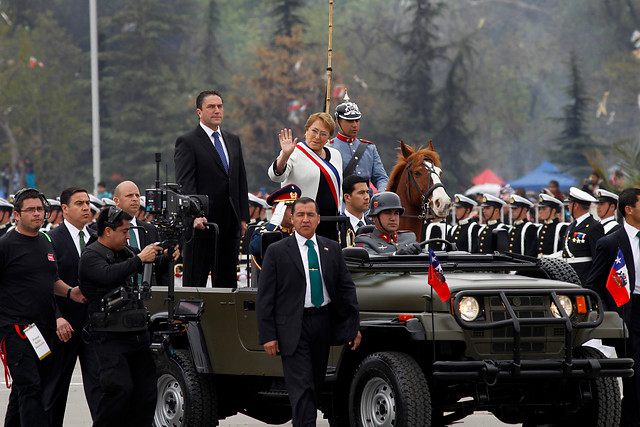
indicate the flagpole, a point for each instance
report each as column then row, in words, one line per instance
column 327, row 104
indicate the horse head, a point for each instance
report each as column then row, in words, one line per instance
column 417, row 180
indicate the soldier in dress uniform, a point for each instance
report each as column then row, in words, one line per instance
column 6, row 209
column 282, row 201
column 465, row 233
column 385, row 209
column 491, row 207
column 523, row 234
column 359, row 157
column 582, row 234
column 606, row 207
column 96, row 205
column 55, row 215
column 257, row 209
column 551, row 232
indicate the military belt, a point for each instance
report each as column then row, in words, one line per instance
column 578, row 260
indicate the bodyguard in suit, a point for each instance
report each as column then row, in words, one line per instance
column 355, row 195
column 68, row 240
column 627, row 240
column 306, row 303
column 582, row 233
column 606, row 210
column 126, row 196
column 465, row 233
column 209, row 161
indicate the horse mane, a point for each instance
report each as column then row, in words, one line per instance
column 415, row 155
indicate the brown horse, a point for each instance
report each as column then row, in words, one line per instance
column 416, row 180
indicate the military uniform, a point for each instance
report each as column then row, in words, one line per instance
column 379, row 242
column 582, row 235
column 255, row 247
column 523, row 234
column 610, row 225
column 437, row 230
column 465, row 235
column 550, row 237
column 367, row 164
column 485, row 234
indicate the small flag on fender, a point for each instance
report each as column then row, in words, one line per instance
column 436, row 278
column 618, row 281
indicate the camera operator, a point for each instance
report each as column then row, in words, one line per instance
column 118, row 331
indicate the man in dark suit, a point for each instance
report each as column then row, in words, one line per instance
column 306, row 303
column 209, row 161
column 627, row 240
column 355, row 195
column 582, row 234
column 126, row 196
column 68, row 241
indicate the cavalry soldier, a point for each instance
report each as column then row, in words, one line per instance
column 359, row 157
column 551, row 231
column 606, row 208
column 465, row 233
column 523, row 234
column 385, row 209
column 282, row 201
column 491, row 208
column 582, row 234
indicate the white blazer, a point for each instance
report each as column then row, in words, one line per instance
column 301, row 171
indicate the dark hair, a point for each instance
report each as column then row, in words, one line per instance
column 24, row 194
column 66, row 194
column 349, row 183
column 304, row 201
column 111, row 217
column 628, row 197
column 554, row 182
column 202, row 95
column 102, row 184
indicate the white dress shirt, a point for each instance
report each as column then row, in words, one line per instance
column 75, row 235
column 304, row 250
column 354, row 220
column 210, row 132
column 632, row 233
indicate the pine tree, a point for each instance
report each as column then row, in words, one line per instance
column 287, row 16
column 574, row 141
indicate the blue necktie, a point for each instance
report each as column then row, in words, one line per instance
column 317, row 298
column 220, row 150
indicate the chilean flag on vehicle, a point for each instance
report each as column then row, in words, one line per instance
column 436, row 278
column 618, row 281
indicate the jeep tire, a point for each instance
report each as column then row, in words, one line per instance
column 185, row 397
column 558, row 269
column 389, row 389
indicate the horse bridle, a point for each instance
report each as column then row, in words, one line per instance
column 426, row 211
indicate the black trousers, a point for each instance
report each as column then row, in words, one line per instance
column 199, row 256
column 25, row 408
column 631, row 386
column 127, row 377
column 56, row 386
column 305, row 369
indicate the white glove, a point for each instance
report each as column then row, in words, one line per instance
column 278, row 214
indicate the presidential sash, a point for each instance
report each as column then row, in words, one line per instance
column 327, row 169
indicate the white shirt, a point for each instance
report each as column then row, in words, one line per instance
column 304, row 250
column 210, row 132
column 354, row 220
column 75, row 235
column 582, row 218
column 635, row 250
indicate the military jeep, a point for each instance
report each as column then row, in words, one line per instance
column 509, row 341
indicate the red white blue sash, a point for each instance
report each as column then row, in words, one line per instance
column 328, row 170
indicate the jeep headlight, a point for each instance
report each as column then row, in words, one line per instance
column 565, row 302
column 469, row 308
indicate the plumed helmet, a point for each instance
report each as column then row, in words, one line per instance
column 384, row 201
column 347, row 110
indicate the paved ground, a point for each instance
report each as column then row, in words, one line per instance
column 77, row 414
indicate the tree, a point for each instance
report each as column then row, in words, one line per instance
column 574, row 141
column 144, row 101
column 287, row 16
column 286, row 89
column 454, row 140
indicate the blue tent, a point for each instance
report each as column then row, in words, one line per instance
column 539, row 178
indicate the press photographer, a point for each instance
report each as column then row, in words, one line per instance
column 118, row 321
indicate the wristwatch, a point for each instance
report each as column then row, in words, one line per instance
column 69, row 293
